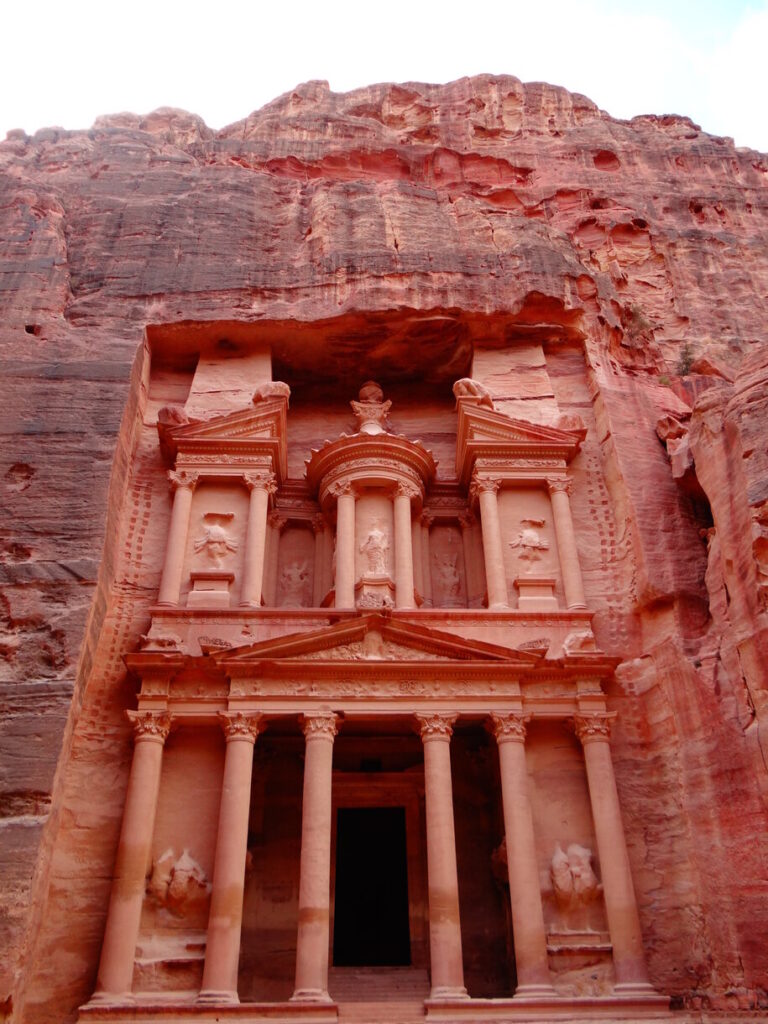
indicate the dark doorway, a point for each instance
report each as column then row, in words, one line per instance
column 370, row 925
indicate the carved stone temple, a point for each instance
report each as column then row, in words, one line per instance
column 384, row 561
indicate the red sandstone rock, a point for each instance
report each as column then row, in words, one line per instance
column 362, row 228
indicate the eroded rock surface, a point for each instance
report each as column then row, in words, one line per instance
column 364, row 224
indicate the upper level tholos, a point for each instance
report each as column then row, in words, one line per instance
column 432, row 495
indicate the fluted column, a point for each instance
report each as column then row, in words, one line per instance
column 403, row 547
column 345, row 545
column 559, row 491
column 618, row 891
column 222, row 951
column 315, row 871
column 133, row 854
column 261, row 485
column 533, row 978
column 183, row 485
column 486, row 490
column 447, row 966
column 426, row 564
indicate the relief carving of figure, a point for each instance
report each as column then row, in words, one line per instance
column 215, row 540
column 375, row 548
column 371, row 410
column 178, row 884
column 450, row 580
column 574, row 882
column 469, row 388
column 529, row 542
column 292, row 580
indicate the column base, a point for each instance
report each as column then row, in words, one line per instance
column 209, row 997
column 637, row 989
column 111, row 999
column 450, row 992
column 311, row 995
column 535, row 990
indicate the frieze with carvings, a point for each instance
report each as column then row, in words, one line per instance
column 353, row 689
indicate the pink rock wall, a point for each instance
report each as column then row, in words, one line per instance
column 500, row 210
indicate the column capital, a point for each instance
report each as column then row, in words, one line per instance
column 467, row 519
column 341, row 489
column 183, row 478
column 150, row 725
column 241, row 725
column 436, row 726
column 318, row 523
column 324, row 724
column 427, row 519
column 263, row 480
column 593, row 727
column 406, row 489
column 556, row 484
column 482, row 484
column 277, row 520
column 509, row 726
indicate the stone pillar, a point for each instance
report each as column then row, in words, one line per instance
column 447, row 965
column 533, row 977
column 418, row 566
column 318, row 575
column 403, row 548
column 183, row 485
column 426, row 564
column 618, row 891
column 473, row 563
column 261, row 485
column 345, row 545
column 133, row 854
column 222, row 951
column 559, row 490
column 275, row 524
column 315, row 871
column 495, row 573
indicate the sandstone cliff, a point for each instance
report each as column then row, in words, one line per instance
column 522, row 206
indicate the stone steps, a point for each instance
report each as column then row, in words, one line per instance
column 394, row 1011
column 378, row 984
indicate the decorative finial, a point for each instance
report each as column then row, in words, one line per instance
column 371, row 410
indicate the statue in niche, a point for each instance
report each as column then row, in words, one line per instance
column 469, row 388
column 375, row 548
column 371, row 410
column 449, row 578
column 215, row 541
column 574, row 882
column 292, row 580
column 529, row 542
column 178, row 884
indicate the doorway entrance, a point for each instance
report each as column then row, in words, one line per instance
column 371, row 926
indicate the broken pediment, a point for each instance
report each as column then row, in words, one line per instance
column 375, row 638
column 484, row 433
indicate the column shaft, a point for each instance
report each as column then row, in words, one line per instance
column 403, row 550
column 318, row 592
column 222, row 951
column 566, row 544
column 418, row 565
column 133, row 853
column 495, row 574
column 426, row 564
column 315, row 870
column 345, row 550
column 473, row 561
column 618, row 890
column 261, row 485
column 533, row 977
column 444, row 920
column 170, row 583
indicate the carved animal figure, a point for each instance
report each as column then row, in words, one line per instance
column 466, row 387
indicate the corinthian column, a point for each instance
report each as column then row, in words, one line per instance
column 486, row 490
column 133, row 853
column 403, row 546
column 619, row 893
column 222, row 950
column 524, row 887
column 183, row 485
column 345, row 545
column 315, row 871
column 559, row 491
column 261, row 486
column 443, row 883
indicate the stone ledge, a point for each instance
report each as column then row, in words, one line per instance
column 192, row 1013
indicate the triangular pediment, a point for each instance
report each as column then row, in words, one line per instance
column 259, row 429
column 374, row 638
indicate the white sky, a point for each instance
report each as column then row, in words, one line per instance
column 64, row 62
